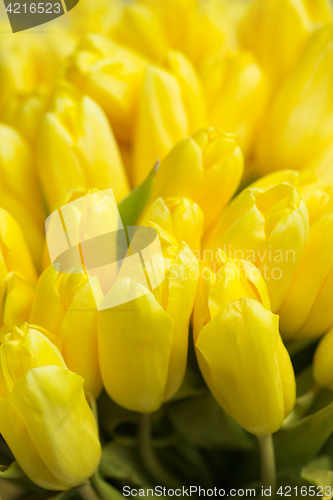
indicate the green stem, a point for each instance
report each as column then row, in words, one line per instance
column 148, row 456
column 87, row 492
column 267, row 462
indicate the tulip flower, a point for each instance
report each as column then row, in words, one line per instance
column 237, row 91
column 268, row 228
column 197, row 167
column 306, row 311
column 17, row 275
column 314, row 191
column 246, row 366
column 25, row 111
column 64, row 305
column 178, row 216
column 322, row 165
column 298, row 126
column 45, row 418
column 171, row 106
column 26, row 63
column 225, row 281
column 112, row 76
column 143, row 343
column 323, row 362
column 19, row 190
column 78, row 147
column 232, row 321
column 297, row 19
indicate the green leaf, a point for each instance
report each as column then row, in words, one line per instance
column 203, row 423
column 299, row 443
column 123, row 462
column 318, row 473
column 192, row 386
column 132, row 206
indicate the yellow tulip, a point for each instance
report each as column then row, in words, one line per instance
column 65, row 306
column 244, row 362
column 77, row 148
column 143, row 343
column 112, row 76
column 306, row 311
column 25, row 62
column 45, row 418
column 171, row 107
column 237, row 91
column 206, row 168
column 17, row 275
column 299, row 124
column 291, row 22
column 314, row 191
column 137, row 27
column 178, row 216
column 323, row 361
column 25, row 111
column 322, row 165
column 19, row 190
column 269, row 228
column 223, row 282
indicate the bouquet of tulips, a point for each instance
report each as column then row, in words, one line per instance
column 209, row 122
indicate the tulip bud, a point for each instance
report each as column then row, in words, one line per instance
column 136, row 29
column 78, row 148
column 170, row 107
column 197, row 167
column 315, row 192
column 297, row 19
column 112, row 76
column 26, row 63
column 306, row 311
column 45, row 418
column 143, row 343
column 323, row 361
column 17, row 275
column 237, row 91
column 178, row 216
column 246, row 366
column 225, row 281
column 268, row 228
column 287, row 139
column 65, row 306
column 25, row 112
column 19, row 190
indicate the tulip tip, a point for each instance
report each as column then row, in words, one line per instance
column 156, row 166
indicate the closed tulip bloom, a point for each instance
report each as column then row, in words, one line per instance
column 170, row 108
column 17, row 275
column 19, row 190
column 45, row 418
column 323, row 361
column 268, row 228
column 237, row 91
column 111, row 75
column 178, row 216
column 246, row 366
column 143, row 343
column 297, row 19
column 223, row 282
column 299, row 124
column 77, row 148
column 314, row 191
column 306, row 311
column 206, row 168
column 25, row 112
column 65, row 306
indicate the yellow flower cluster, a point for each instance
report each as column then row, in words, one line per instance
column 235, row 99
